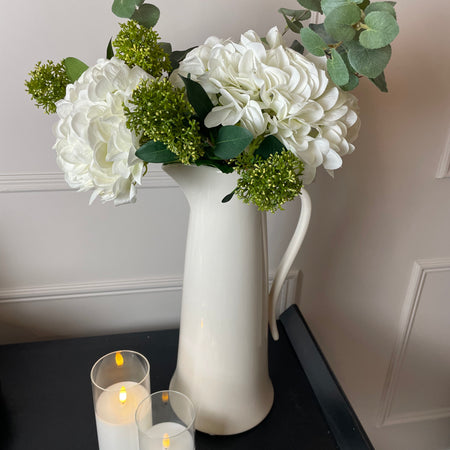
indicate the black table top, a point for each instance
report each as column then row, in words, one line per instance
column 46, row 399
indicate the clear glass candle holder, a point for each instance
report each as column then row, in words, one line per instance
column 120, row 381
column 165, row 421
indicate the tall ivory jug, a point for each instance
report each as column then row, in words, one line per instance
column 222, row 360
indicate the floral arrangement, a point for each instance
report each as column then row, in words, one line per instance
column 256, row 107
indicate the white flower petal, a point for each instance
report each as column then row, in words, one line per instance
column 309, row 173
column 249, row 37
column 274, row 37
column 275, row 90
column 253, row 119
column 223, row 115
column 329, row 98
column 332, row 160
column 94, row 147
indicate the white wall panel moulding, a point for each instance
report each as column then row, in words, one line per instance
column 421, row 269
column 90, row 289
column 120, row 287
column 54, row 181
column 443, row 170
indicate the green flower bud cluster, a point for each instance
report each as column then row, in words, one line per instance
column 160, row 112
column 47, row 85
column 138, row 46
column 269, row 183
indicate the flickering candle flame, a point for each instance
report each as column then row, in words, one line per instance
column 165, row 397
column 166, row 441
column 119, row 359
column 123, row 395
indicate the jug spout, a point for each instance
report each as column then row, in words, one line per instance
column 287, row 260
column 196, row 181
column 182, row 175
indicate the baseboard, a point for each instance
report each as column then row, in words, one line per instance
column 100, row 307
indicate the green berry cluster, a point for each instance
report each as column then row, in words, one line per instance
column 160, row 112
column 138, row 46
column 47, row 85
column 269, row 183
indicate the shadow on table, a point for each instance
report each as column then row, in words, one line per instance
column 5, row 423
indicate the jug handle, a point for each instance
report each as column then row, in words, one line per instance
column 287, row 260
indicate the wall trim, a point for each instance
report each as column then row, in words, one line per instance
column 90, row 289
column 172, row 283
column 417, row 416
column 443, row 170
column 421, row 269
column 54, row 181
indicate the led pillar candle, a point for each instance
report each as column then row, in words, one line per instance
column 120, row 381
column 165, row 421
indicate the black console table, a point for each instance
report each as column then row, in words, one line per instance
column 46, row 401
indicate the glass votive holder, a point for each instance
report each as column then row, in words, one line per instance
column 165, row 421
column 120, row 381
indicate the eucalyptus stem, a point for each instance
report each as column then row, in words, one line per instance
column 363, row 32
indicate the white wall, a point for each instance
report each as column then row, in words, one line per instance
column 67, row 268
column 376, row 260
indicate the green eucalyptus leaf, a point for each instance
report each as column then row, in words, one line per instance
column 381, row 6
column 125, row 8
column 146, row 15
column 337, row 69
column 269, row 146
column 368, row 62
column 340, row 20
column 303, row 15
column 319, row 28
column 177, row 56
column 225, row 168
column 343, row 52
column 293, row 25
column 156, row 152
column 229, row 196
column 198, row 98
column 218, row 164
column 231, row 141
column 209, row 151
column 364, row 4
column 166, row 46
column 297, row 47
column 352, row 83
column 109, row 50
column 288, row 12
column 383, row 29
column 74, row 68
column 313, row 5
column 297, row 14
column 313, row 42
column 329, row 5
column 380, row 82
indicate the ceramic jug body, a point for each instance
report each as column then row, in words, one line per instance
column 222, row 356
column 222, row 360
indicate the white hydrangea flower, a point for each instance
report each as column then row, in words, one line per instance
column 271, row 89
column 94, row 147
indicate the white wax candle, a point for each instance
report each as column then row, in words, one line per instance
column 116, row 427
column 178, row 437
